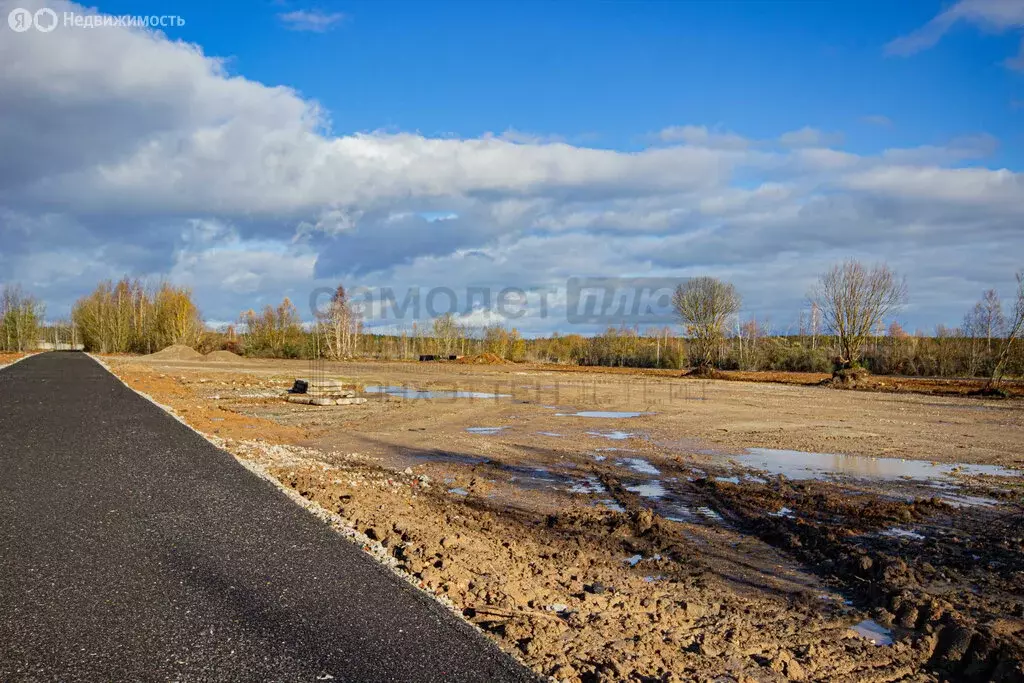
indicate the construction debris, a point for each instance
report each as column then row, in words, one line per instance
column 312, row 400
column 323, row 392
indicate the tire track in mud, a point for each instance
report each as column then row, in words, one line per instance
column 957, row 594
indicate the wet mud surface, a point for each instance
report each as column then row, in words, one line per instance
column 636, row 530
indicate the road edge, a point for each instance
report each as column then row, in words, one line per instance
column 18, row 360
column 336, row 522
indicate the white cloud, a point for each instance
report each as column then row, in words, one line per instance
column 700, row 136
column 314, row 21
column 1001, row 189
column 810, row 137
column 989, row 15
column 481, row 317
column 125, row 152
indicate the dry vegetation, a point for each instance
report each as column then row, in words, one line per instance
column 21, row 320
column 843, row 332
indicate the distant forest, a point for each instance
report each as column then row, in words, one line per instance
column 128, row 317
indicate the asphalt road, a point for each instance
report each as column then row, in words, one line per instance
column 132, row 549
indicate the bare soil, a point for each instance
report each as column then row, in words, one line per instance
column 176, row 352
column 647, row 548
column 8, row 358
column 223, row 356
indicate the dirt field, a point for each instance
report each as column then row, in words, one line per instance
column 654, row 546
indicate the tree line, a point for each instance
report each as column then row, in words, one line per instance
column 21, row 319
column 128, row 317
column 848, row 333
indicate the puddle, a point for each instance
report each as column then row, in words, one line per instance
column 675, row 512
column 602, row 413
column 959, row 501
column 903, row 533
column 708, row 513
column 652, row 489
column 536, row 477
column 589, row 485
column 639, row 465
column 738, row 479
column 413, row 392
column 484, row 430
column 610, row 504
column 876, row 633
column 459, row 491
column 617, row 436
column 550, row 434
column 802, row 465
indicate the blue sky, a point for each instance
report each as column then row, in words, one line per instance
column 606, row 72
column 313, row 143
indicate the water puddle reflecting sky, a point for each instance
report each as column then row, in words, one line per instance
column 651, row 489
column 802, row 465
column 616, row 435
column 639, row 465
column 603, row 413
column 873, row 631
column 484, row 430
column 414, row 393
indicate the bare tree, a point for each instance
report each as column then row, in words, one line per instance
column 446, row 332
column 21, row 319
column 853, row 301
column 986, row 319
column 1013, row 331
column 336, row 325
column 705, row 305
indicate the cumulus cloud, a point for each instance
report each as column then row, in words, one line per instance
column 128, row 153
column 702, row 137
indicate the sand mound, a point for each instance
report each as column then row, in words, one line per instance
column 177, row 352
column 223, row 356
column 482, row 359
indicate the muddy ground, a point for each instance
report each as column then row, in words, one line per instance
column 653, row 546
